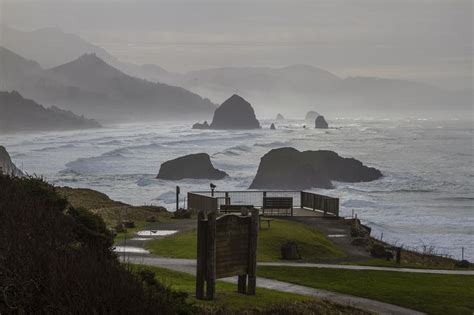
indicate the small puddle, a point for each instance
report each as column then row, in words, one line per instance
column 130, row 249
column 151, row 233
column 337, row 235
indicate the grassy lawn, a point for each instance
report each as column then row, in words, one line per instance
column 420, row 264
column 433, row 294
column 313, row 245
column 110, row 210
column 227, row 296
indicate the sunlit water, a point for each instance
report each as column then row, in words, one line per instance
column 425, row 199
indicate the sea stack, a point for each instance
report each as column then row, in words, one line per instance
column 6, row 165
column 272, row 126
column 280, row 117
column 311, row 116
column 288, row 168
column 321, row 123
column 235, row 113
column 196, row 166
column 204, row 125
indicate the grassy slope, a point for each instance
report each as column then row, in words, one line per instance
column 313, row 245
column 227, row 296
column 111, row 211
column 434, row 294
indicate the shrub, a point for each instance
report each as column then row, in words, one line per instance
column 55, row 259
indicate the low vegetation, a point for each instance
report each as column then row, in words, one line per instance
column 312, row 245
column 228, row 301
column 430, row 293
column 111, row 211
column 57, row 259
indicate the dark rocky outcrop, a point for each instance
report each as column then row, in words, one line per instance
column 235, row 113
column 311, row 115
column 288, row 168
column 321, row 123
column 204, row 125
column 197, row 166
column 280, row 117
column 6, row 165
column 272, row 126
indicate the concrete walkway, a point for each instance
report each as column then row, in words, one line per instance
column 189, row 266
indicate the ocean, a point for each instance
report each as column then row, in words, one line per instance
column 425, row 199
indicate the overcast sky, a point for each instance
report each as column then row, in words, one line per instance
column 424, row 40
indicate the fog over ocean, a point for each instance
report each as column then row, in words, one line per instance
column 425, row 199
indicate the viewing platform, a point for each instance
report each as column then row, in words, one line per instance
column 271, row 203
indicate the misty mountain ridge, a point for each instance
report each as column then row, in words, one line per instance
column 23, row 115
column 90, row 86
column 291, row 90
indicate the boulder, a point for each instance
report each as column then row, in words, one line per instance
column 235, row 113
column 196, row 166
column 378, row 251
column 360, row 241
column 272, row 126
column 280, row 117
column 6, row 165
column 320, row 123
column 204, row 125
column 311, row 116
column 288, row 168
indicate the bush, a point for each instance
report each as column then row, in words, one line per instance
column 55, row 259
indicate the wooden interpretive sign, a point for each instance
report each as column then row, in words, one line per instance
column 227, row 246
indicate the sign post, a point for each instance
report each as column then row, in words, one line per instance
column 227, row 246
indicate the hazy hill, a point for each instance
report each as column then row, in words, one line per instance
column 89, row 86
column 291, row 90
column 18, row 114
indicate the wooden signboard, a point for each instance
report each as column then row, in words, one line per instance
column 227, row 246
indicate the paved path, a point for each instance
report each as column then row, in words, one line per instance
column 189, row 266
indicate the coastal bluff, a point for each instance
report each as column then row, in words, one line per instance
column 6, row 165
column 288, row 168
column 195, row 166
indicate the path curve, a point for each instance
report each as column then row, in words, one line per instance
column 189, row 266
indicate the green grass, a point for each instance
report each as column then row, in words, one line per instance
column 227, row 297
column 313, row 245
column 420, row 264
column 430, row 293
column 226, row 293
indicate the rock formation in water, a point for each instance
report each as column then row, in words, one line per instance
column 6, row 165
column 272, row 126
column 280, row 117
column 235, row 113
column 288, row 168
column 204, row 125
column 197, row 166
column 321, row 123
column 311, row 116
column 18, row 114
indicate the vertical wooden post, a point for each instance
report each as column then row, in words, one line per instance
column 211, row 256
column 177, row 197
column 242, row 284
column 263, row 202
column 201, row 255
column 252, row 259
column 314, row 202
column 301, row 199
column 399, row 255
column 227, row 199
